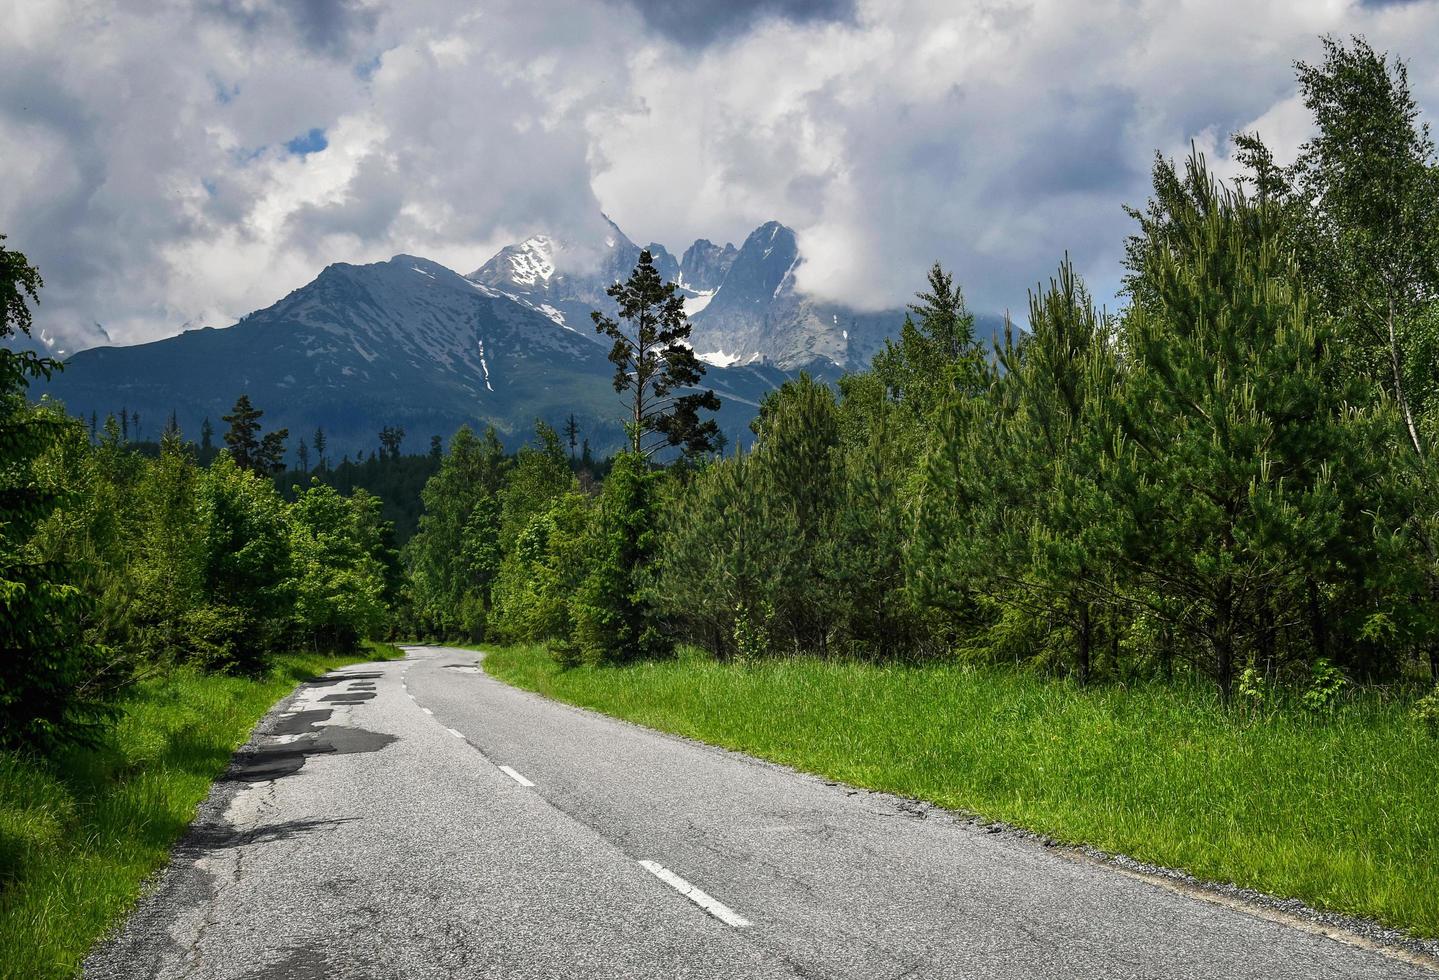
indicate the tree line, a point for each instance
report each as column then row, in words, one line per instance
column 115, row 563
column 1232, row 478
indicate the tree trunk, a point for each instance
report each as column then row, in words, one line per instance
column 1317, row 628
column 1114, row 642
column 1086, row 639
column 1222, row 637
column 1399, row 380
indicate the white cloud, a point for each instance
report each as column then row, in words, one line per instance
column 142, row 159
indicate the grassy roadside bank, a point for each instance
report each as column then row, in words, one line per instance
column 1338, row 812
column 80, row 832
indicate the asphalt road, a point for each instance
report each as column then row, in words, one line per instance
column 419, row 819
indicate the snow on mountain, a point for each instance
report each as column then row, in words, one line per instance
column 742, row 301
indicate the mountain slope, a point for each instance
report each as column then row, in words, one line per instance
column 757, row 313
column 406, row 342
column 743, row 302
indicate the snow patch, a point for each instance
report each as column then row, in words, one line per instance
column 787, row 277
column 554, row 315
column 696, row 303
column 719, row 358
column 484, row 366
column 422, row 271
column 532, row 261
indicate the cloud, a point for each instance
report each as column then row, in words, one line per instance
column 330, row 27
column 697, row 23
column 176, row 162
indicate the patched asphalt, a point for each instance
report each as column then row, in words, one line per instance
column 356, row 837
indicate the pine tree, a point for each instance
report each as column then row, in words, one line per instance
column 796, row 460
column 1011, row 530
column 572, row 431
column 242, row 437
column 207, row 437
column 319, row 444
column 303, row 452
column 391, row 436
column 270, row 459
column 437, row 448
column 652, row 363
column 1243, row 465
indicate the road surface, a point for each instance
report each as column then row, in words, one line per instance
column 417, row 819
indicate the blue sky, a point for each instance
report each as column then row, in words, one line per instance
column 174, row 162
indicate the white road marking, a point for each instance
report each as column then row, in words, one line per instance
column 427, row 711
column 454, row 733
column 715, row 908
column 515, row 776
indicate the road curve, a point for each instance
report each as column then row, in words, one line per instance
column 418, row 818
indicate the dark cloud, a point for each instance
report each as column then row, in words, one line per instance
column 696, row 23
column 331, row 27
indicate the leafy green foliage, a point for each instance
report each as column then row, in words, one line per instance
column 454, row 557
column 46, row 662
column 1231, row 479
column 340, row 588
column 615, row 620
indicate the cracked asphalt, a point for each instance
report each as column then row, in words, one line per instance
column 359, row 835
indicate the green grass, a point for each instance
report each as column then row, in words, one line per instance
column 81, row 831
column 1341, row 812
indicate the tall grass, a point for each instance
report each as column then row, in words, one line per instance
column 1340, row 810
column 80, row 831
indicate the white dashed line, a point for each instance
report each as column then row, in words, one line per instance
column 717, row 909
column 454, row 733
column 515, row 776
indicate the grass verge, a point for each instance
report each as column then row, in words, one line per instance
column 81, row 831
column 1338, row 811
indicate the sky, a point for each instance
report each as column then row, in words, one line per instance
column 168, row 163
